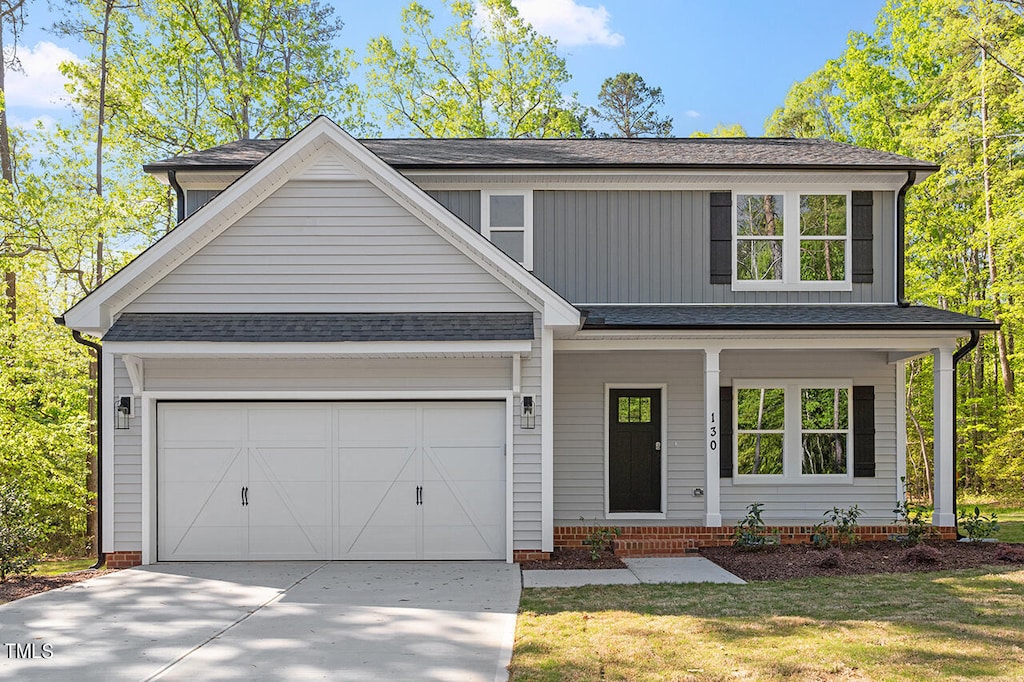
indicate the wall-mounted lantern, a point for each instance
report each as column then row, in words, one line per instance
column 527, row 416
column 124, row 410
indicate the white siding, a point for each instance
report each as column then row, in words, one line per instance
column 580, row 441
column 876, row 496
column 127, row 464
column 328, row 374
column 328, row 247
column 580, row 429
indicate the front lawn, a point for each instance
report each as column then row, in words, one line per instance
column 923, row 626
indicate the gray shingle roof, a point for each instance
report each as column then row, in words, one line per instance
column 321, row 327
column 682, row 153
column 804, row 317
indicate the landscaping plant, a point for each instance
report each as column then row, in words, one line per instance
column 751, row 533
column 977, row 525
column 20, row 532
column 600, row 539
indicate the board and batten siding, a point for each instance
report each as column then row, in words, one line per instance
column 328, row 374
column 875, row 496
column 580, row 407
column 318, row 246
column 464, row 203
column 580, row 425
column 653, row 247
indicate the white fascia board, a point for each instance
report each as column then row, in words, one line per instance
column 656, row 179
column 97, row 310
column 825, row 341
column 557, row 311
column 352, row 348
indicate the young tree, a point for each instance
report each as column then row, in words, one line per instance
column 722, row 130
column 485, row 73
column 630, row 108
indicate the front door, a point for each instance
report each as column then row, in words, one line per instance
column 634, row 450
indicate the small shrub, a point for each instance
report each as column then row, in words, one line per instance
column 977, row 525
column 913, row 517
column 831, row 558
column 751, row 533
column 20, row 533
column 845, row 522
column 821, row 535
column 1011, row 554
column 922, row 554
column 600, row 539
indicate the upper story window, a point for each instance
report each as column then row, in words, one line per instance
column 506, row 218
column 791, row 240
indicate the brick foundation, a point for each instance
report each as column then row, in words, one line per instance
column 530, row 555
column 663, row 541
column 123, row 559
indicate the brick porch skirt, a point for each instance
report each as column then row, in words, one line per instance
column 655, row 541
column 123, row 559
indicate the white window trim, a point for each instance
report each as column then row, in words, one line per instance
column 663, row 388
column 791, row 243
column 526, row 229
column 791, row 454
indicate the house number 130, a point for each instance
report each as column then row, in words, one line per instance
column 713, row 433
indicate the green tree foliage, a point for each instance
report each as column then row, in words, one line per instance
column 479, row 72
column 630, row 108
column 722, row 130
column 942, row 80
column 20, row 532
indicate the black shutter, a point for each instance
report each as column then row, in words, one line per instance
column 721, row 237
column 863, row 258
column 864, row 431
column 725, row 436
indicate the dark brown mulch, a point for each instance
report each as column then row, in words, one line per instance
column 16, row 588
column 803, row 561
column 562, row 559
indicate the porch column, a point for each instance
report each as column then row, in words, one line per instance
column 943, row 439
column 713, row 424
column 547, row 440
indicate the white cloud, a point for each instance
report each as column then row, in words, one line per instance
column 690, row 113
column 571, row 23
column 39, row 84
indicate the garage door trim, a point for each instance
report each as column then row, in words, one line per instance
column 149, row 437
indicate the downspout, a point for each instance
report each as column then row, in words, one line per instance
column 101, row 557
column 901, row 244
column 957, row 357
column 179, row 193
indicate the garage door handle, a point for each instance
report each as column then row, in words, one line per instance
column 419, row 494
column 245, row 496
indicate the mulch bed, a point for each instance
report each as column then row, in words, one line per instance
column 562, row 559
column 803, row 561
column 17, row 588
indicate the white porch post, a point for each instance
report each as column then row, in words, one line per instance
column 944, row 446
column 713, row 424
column 547, row 441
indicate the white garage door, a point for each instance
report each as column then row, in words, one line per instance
column 343, row 481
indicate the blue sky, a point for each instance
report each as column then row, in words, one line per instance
column 717, row 61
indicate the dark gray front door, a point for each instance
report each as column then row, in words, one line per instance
column 634, row 450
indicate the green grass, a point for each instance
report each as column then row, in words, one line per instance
column 1010, row 516
column 921, row 627
column 63, row 566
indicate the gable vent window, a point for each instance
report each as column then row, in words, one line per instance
column 791, row 240
column 506, row 218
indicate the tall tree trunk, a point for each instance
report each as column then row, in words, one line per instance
column 1004, row 356
column 7, row 170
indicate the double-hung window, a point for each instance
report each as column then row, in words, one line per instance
column 791, row 240
column 506, row 218
column 793, row 430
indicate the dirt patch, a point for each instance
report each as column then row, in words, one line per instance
column 564, row 559
column 17, row 588
column 803, row 561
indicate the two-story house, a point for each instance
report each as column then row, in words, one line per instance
column 402, row 349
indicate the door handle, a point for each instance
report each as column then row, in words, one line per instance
column 245, row 496
column 419, row 494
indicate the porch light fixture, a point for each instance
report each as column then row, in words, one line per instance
column 124, row 410
column 528, row 417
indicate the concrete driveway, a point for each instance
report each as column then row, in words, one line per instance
column 269, row 621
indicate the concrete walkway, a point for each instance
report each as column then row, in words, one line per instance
column 667, row 570
column 269, row 621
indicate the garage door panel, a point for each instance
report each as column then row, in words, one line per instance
column 289, row 424
column 331, row 480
